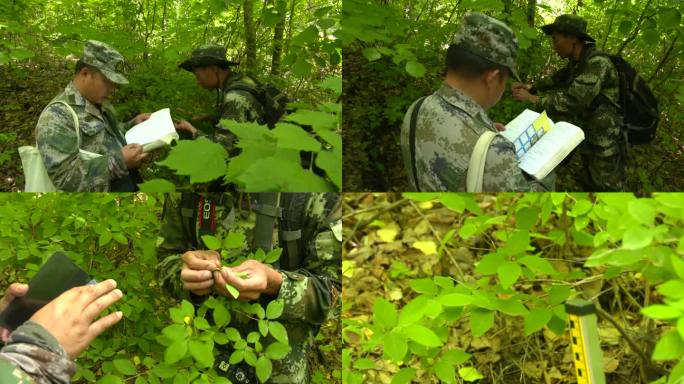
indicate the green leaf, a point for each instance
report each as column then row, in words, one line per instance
column 273, row 255
column 200, row 159
column 453, row 201
column 490, row 263
column 669, row 347
column 318, row 120
column 455, row 356
column 187, row 309
column 480, row 321
column 426, row 286
column 331, row 163
column 175, row 351
column 277, row 350
column 292, row 136
column 526, row 217
column 278, row 331
column 395, row 346
column 202, row 352
column 661, row 312
column 384, row 314
column 669, row 18
column 642, row 210
column 422, row 335
column 445, row 371
column 415, row 68
column 334, row 83
column 301, row 67
column 221, row 316
column 237, row 356
column 538, row 265
column 234, row 240
column 371, row 54
column 536, row 319
column 110, row 379
column 637, row 238
column 157, row 185
column 211, row 242
column 404, row 376
column 470, row 374
column 364, row 364
column 455, row 300
column 509, row 272
column 274, row 309
column 233, row 291
column 125, row 366
column 264, row 367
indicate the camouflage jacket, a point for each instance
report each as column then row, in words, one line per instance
column 449, row 124
column 100, row 133
column 310, row 292
column 238, row 105
column 33, row 355
column 586, row 93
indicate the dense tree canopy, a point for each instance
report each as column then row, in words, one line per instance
column 290, row 43
column 397, row 55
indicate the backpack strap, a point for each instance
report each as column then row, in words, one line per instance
column 267, row 211
column 412, row 140
column 73, row 115
column 475, row 176
column 189, row 204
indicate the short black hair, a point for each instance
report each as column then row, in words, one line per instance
column 463, row 61
column 80, row 65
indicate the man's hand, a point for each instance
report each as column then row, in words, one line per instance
column 141, row 117
column 196, row 272
column 522, row 94
column 70, row 318
column 184, row 125
column 261, row 279
column 499, row 127
column 15, row 290
column 133, row 155
column 524, row 86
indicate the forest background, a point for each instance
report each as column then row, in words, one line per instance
column 394, row 53
column 290, row 43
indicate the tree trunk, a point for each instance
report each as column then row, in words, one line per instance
column 250, row 36
column 281, row 6
column 531, row 12
column 289, row 27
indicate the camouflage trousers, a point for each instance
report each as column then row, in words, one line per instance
column 604, row 174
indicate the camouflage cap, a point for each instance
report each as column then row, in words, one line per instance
column 490, row 39
column 570, row 24
column 206, row 55
column 105, row 58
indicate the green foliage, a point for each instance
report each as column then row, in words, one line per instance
column 397, row 55
column 530, row 240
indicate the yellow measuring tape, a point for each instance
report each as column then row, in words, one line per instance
column 586, row 347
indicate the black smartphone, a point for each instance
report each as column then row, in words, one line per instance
column 56, row 276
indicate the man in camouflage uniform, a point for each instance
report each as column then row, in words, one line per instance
column 97, row 76
column 586, row 93
column 233, row 101
column 450, row 121
column 307, row 278
column 42, row 349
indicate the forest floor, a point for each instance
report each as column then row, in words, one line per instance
column 377, row 268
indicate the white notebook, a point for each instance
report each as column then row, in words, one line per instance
column 541, row 144
column 153, row 133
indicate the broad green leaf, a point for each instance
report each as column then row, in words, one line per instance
column 404, row 376
column 221, row 316
column 333, row 83
column 110, row 379
column 637, row 238
column 331, row 163
column 237, row 356
column 384, row 314
column 455, row 300
column 536, row 319
column 202, row 352
column 278, row 331
column 175, row 351
column 200, row 159
column 211, row 242
column 661, row 312
column 526, row 217
column 642, row 210
column 422, row 335
column 364, row 364
column 669, row 18
column 415, row 69
column 318, row 120
column 292, row 136
column 125, row 366
column 455, row 356
column 538, row 265
column 157, row 185
column 470, row 374
column 453, row 201
column 669, row 347
column 233, row 291
column 234, row 240
column 371, row 54
column 395, row 346
column 509, row 272
column 274, row 309
column 277, row 350
column 480, row 321
column 445, row 371
column 426, row 286
column 490, row 263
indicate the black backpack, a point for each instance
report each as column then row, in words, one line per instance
column 269, row 96
column 639, row 106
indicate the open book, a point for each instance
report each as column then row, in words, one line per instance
column 541, row 144
column 153, row 133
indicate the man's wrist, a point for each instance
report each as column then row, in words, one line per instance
column 274, row 282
